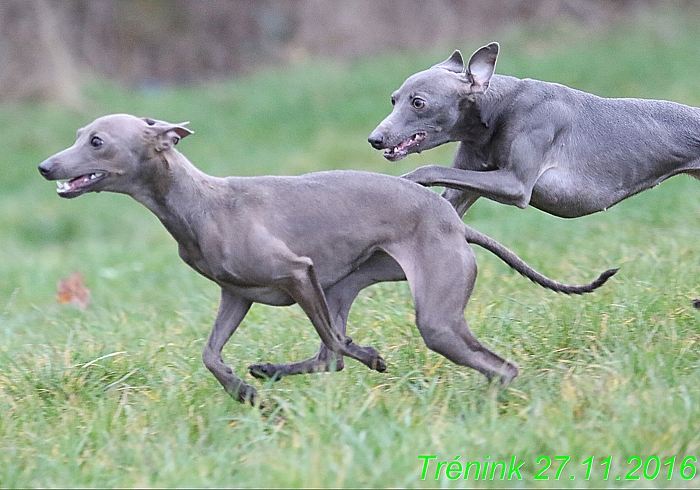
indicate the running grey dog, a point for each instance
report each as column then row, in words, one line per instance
column 315, row 240
column 527, row 142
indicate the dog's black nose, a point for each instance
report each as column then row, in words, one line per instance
column 45, row 167
column 376, row 140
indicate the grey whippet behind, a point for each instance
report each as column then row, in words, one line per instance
column 528, row 142
column 315, row 240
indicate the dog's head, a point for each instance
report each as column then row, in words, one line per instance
column 109, row 152
column 428, row 104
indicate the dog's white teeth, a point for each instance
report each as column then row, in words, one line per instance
column 62, row 186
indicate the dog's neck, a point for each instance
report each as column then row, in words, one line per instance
column 178, row 193
column 479, row 116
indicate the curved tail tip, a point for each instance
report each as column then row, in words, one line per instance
column 603, row 278
column 591, row 286
column 609, row 273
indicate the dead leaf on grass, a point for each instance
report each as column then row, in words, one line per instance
column 72, row 290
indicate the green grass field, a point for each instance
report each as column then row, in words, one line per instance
column 116, row 395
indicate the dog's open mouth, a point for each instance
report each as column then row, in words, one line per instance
column 79, row 185
column 396, row 153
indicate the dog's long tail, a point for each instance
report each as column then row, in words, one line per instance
column 519, row 265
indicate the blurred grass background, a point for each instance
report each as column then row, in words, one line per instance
column 117, row 395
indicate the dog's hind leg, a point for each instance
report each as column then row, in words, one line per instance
column 441, row 289
column 232, row 310
column 339, row 297
column 302, row 285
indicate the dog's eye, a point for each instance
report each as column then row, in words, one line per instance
column 96, row 141
column 393, row 101
column 418, row 103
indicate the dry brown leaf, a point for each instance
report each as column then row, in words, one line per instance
column 72, row 290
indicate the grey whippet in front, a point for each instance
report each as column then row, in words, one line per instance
column 315, row 240
column 528, row 142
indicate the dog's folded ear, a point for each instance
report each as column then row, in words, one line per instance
column 171, row 136
column 481, row 67
column 167, row 134
column 454, row 63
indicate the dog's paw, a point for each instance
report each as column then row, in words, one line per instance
column 245, row 394
column 369, row 356
column 265, row 371
column 379, row 364
column 419, row 176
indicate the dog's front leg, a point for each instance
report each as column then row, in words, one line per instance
column 465, row 158
column 498, row 185
column 460, row 200
column 512, row 183
column 232, row 310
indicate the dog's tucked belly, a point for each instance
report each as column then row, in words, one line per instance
column 266, row 295
column 565, row 194
column 568, row 194
column 270, row 293
column 565, row 205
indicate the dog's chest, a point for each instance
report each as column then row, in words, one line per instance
column 192, row 255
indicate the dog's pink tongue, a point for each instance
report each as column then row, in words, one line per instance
column 76, row 183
